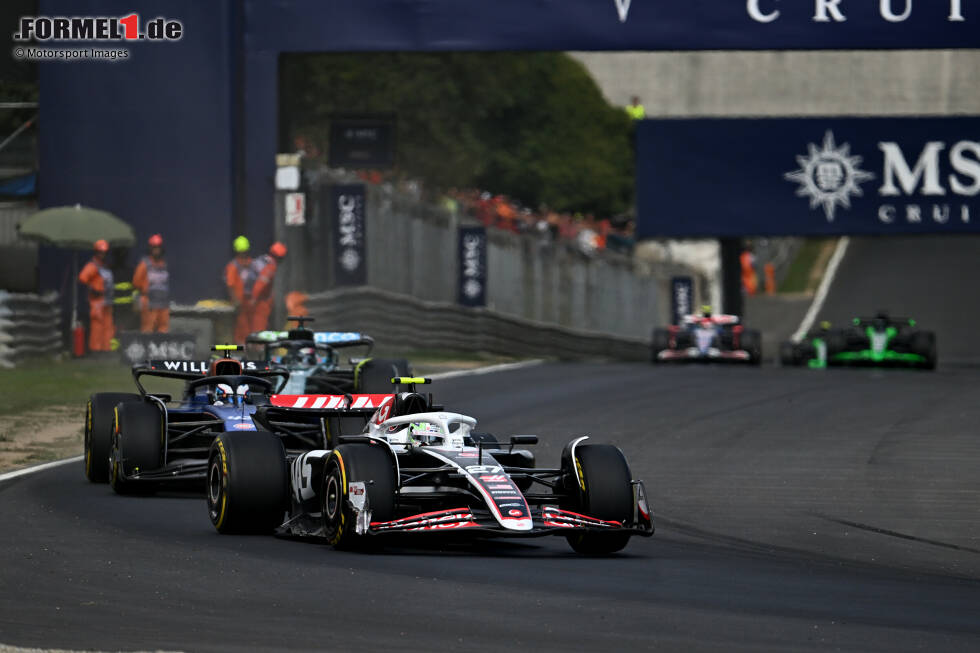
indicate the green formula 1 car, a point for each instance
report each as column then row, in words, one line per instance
column 882, row 341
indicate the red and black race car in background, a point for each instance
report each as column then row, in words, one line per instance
column 707, row 338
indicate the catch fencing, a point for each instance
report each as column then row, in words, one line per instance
column 30, row 327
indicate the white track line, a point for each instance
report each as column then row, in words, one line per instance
column 39, row 468
column 823, row 289
column 489, row 369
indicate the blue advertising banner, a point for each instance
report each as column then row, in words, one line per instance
column 472, row 264
column 681, row 298
column 349, row 204
column 558, row 25
column 807, row 176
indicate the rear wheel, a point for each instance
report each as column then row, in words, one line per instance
column 98, row 432
column 137, row 445
column 836, row 342
column 369, row 465
column 607, row 494
column 248, row 485
column 661, row 341
column 374, row 375
column 924, row 344
column 751, row 341
column 788, row 354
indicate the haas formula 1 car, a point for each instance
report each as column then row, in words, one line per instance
column 706, row 338
column 414, row 469
column 870, row 341
column 314, row 364
column 138, row 441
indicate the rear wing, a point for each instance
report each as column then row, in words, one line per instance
column 721, row 320
column 341, row 404
column 188, row 370
column 891, row 321
column 319, row 420
column 335, row 339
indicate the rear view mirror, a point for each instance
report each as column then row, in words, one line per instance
column 523, row 439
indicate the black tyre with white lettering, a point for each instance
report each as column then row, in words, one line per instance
column 602, row 488
column 98, row 432
column 137, row 445
column 248, row 482
column 348, row 466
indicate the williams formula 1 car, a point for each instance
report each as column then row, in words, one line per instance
column 314, row 364
column 707, row 338
column 138, row 441
column 414, row 469
column 874, row 341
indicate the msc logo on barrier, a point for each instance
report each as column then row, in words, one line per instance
column 830, row 176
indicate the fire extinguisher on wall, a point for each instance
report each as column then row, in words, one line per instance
column 78, row 339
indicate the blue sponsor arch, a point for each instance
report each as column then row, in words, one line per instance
column 182, row 136
column 808, row 176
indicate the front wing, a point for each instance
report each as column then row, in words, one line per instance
column 696, row 355
column 545, row 520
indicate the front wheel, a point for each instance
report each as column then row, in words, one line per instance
column 356, row 477
column 137, row 445
column 605, row 491
column 248, row 484
column 660, row 342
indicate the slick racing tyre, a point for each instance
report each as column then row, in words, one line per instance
column 248, row 484
column 838, row 342
column 98, row 432
column 788, row 354
column 924, row 344
column 370, row 464
column 751, row 341
column 607, row 494
column 373, row 376
column 661, row 341
column 137, row 445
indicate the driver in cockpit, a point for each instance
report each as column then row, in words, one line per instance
column 224, row 395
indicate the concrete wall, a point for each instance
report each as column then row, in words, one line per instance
column 412, row 247
column 807, row 83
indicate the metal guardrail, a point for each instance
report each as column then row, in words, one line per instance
column 404, row 322
column 30, row 326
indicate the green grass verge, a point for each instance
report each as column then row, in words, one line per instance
column 801, row 270
column 51, row 383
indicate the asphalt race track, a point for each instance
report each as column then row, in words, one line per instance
column 797, row 510
column 935, row 282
